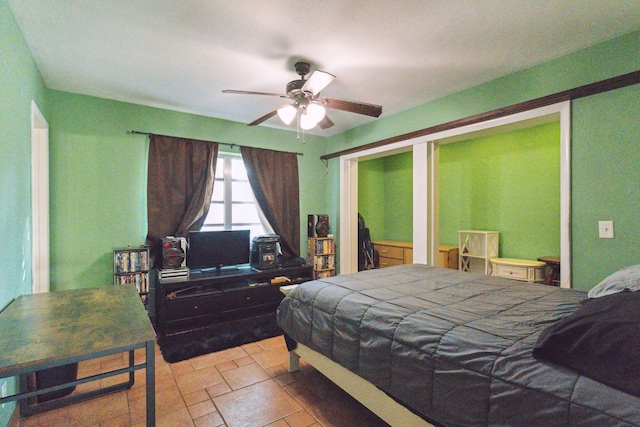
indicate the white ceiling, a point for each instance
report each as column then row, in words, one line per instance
column 180, row 54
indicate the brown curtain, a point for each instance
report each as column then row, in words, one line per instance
column 273, row 176
column 180, row 183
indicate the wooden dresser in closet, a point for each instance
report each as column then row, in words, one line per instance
column 395, row 253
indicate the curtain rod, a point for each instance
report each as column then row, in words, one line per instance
column 135, row 132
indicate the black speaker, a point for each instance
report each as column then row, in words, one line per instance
column 264, row 252
column 174, row 252
column 317, row 225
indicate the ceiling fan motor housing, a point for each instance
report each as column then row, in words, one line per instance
column 294, row 87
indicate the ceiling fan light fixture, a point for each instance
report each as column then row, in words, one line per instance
column 307, row 122
column 311, row 115
column 287, row 113
column 316, row 112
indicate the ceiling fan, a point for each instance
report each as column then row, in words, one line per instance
column 307, row 107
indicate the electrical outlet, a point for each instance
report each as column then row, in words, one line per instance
column 605, row 229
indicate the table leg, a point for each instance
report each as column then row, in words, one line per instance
column 151, row 385
column 549, row 276
column 554, row 275
column 24, row 387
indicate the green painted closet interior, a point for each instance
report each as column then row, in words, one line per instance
column 385, row 196
column 509, row 182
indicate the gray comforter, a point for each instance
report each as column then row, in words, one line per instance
column 454, row 347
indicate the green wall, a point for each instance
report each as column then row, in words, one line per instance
column 605, row 182
column 371, row 196
column 20, row 83
column 98, row 177
column 508, row 182
column 398, row 189
column 599, row 125
column 385, row 196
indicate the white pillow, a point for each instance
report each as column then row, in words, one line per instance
column 627, row 278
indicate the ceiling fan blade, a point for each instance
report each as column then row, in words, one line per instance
column 263, row 118
column 246, row 92
column 317, row 81
column 325, row 123
column 352, row 106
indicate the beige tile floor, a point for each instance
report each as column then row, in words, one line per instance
column 238, row 387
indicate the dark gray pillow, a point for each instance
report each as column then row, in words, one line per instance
column 600, row 340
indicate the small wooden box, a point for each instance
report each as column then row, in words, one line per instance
column 448, row 257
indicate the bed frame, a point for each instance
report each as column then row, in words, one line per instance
column 360, row 389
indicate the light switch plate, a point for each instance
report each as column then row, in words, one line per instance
column 605, row 229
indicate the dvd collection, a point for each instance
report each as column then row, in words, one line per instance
column 322, row 257
column 323, row 274
column 324, row 262
column 130, row 261
column 140, row 279
column 322, row 246
column 131, row 266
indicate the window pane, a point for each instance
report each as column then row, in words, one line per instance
column 244, row 213
column 237, row 169
column 206, row 227
column 218, row 191
column 216, row 214
column 242, row 191
column 220, row 167
column 256, row 230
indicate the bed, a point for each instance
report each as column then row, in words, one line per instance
column 422, row 345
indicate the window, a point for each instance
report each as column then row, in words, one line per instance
column 233, row 206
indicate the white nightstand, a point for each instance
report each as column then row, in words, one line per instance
column 518, row 269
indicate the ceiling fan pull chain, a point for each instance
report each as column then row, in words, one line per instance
column 298, row 126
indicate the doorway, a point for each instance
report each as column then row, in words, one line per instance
column 39, row 201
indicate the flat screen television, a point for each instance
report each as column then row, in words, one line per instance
column 218, row 249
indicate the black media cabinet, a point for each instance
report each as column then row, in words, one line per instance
column 203, row 299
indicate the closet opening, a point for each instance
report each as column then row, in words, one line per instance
column 427, row 170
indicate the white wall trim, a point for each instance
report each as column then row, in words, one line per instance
column 425, row 199
column 565, row 194
column 348, row 245
column 40, row 251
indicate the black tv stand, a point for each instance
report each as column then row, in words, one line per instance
column 217, row 269
column 214, row 296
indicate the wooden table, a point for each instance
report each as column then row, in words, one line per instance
column 553, row 278
column 47, row 330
